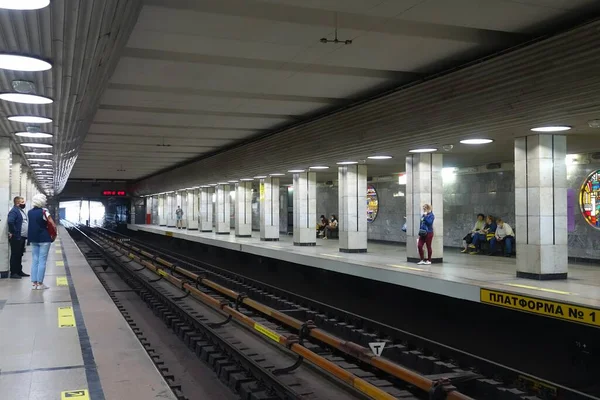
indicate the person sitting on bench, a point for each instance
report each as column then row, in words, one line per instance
column 479, row 225
column 331, row 227
column 323, row 222
column 485, row 234
column 504, row 234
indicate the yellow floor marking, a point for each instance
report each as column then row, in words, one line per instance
column 538, row 288
column 66, row 318
column 81, row 394
column 58, row 251
column 60, row 263
column 61, row 281
column 405, row 267
column 331, row 255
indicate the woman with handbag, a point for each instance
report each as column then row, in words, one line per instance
column 426, row 234
column 41, row 234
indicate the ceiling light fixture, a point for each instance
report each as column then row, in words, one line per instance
column 296, row 171
column 40, row 160
column 223, row 183
column 276, row 174
column 260, row 177
column 36, row 153
column 233, row 181
column 476, row 141
column 24, row 4
column 25, row 98
column 35, row 165
column 319, row 167
column 15, row 62
column 347, row 162
column 29, row 119
column 247, row 179
column 37, row 135
column 37, row 145
column 558, row 128
column 379, row 157
column 422, row 150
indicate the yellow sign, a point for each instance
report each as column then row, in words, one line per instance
column 66, row 318
column 554, row 309
column 61, row 281
column 267, row 332
column 60, row 263
column 75, row 394
column 170, row 234
column 161, row 272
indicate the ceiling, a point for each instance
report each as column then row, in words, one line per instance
column 196, row 78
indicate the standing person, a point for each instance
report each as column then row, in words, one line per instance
column 40, row 239
column 17, row 236
column 426, row 234
column 179, row 215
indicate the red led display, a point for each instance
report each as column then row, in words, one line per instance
column 114, row 193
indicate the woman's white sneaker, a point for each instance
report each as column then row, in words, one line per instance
column 427, row 263
column 42, row 287
column 422, row 262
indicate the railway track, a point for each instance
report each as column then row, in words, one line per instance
column 334, row 342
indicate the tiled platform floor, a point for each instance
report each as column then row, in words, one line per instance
column 461, row 275
column 39, row 360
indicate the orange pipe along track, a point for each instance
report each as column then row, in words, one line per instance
column 352, row 349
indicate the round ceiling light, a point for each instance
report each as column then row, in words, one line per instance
column 319, row 167
column 558, row 128
column 25, row 98
column 379, row 157
column 24, row 4
column 347, row 162
column 37, row 145
column 37, row 153
column 37, row 135
column 296, row 171
column 23, row 63
column 476, row 141
column 422, row 150
column 30, row 119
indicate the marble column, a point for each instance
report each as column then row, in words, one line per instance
column 223, row 214
column 192, row 209
column 29, row 192
column 23, row 186
column 154, row 213
column 171, row 207
column 15, row 177
column 352, row 203
column 541, row 207
column 162, row 209
column 5, row 205
column 269, row 209
column 206, row 210
column 424, row 186
column 305, row 209
column 243, row 209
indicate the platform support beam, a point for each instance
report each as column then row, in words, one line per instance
column 243, row 209
column 352, row 204
column 223, row 214
column 5, row 205
column 424, row 186
column 305, row 209
column 206, row 209
column 269, row 209
column 191, row 212
column 162, row 209
column 541, row 207
column 171, row 206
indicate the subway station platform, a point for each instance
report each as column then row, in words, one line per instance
column 70, row 341
column 474, row 278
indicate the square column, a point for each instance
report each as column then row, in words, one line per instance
column 541, row 232
column 15, row 177
column 154, row 211
column 305, row 209
column 5, row 205
column 352, row 204
column 269, row 209
column 23, row 186
column 192, row 209
column 223, row 214
column 243, row 209
column 29, row 193
column 171, row 206
column 424, row 186
column 162, row 209
column 205, row 223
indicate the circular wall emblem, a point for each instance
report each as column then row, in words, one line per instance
column 589, row 199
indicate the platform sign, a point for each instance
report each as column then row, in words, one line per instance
column 548, row 308
column 61, row 281
column 377, row 348
column 81, row 394
column 66, row 318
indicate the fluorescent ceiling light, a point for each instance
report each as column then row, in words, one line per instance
column 36, row 153
column 319, row 167
column 37, row 135
column 25, row 98
column 247, row 179
column 422, row 150
column 347, row 162
column 379, row 157
column 37, row 145
column 42, row 169
column 223, row 183
column 232, row 181
column 277, row 174
column 260, row 177
column 476, row 141
column 24, row 4
column 40, row 160
column 296, row 171
column 23, row 63
column 35, row 165
column 559, row 128
column 30, row 119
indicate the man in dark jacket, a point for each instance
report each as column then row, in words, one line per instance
column 17, row 236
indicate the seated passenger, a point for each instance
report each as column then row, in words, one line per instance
column 479, row 225
column 504, row 235
column 323, row 222
column 487, row 233
column 331, row 227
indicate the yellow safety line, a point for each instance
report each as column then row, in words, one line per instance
column 58, row 251
column 539, row 288
column 331, row 255
column 60, row 263
column 405, row 267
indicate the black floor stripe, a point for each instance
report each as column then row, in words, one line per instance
column 24, row 371
column 91, row 370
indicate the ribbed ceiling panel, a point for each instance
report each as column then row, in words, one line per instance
column 82, row 39
column 542, row 83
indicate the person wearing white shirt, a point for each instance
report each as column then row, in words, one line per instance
column 504, row 234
